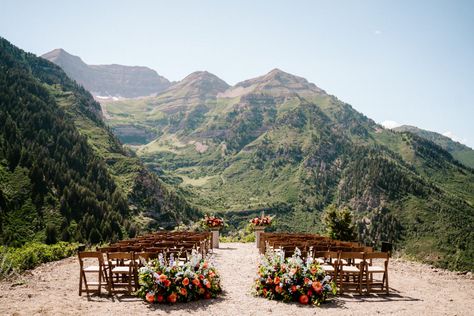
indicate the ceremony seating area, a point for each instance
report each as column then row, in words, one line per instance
column 351, row 264
column 115, row 267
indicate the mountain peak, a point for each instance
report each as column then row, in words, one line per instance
column 275, row 82
column 60, row 57
column 200, row 83
column 202, row 76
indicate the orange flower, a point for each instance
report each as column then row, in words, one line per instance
column 317, row 287
column 163, row 277
column 172, row 298
column 313, row 270
column 183, row 291
column 277, row 280
column 306, row 280
column 201, row 291
column 185, row 281
column 166, row 283
column 208, row 285
column 150, row 297
column 196, row 282
column 293, row 288
column 269, row 280
column 304, row 299
column 278, row 289
column 204, row 266
column 201, row 277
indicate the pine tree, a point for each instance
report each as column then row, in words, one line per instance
column 339, row 223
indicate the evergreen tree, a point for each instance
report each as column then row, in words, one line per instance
column 339, row 223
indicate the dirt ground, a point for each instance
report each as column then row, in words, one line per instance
column 416, row 289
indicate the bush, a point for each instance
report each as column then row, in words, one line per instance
column 16, row 260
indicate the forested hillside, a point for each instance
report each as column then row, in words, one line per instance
column 459, row 151
column 63, row 175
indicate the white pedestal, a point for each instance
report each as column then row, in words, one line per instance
column 215, row 238
column 258, row 231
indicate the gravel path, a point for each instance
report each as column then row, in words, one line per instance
column 51, row 289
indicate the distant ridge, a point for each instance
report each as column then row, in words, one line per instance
column 109, row 80
column 459, row 151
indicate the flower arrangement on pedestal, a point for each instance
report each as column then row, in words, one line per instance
column 213, row 222
column 167, row 282
column 293, row 279
column 261, row 221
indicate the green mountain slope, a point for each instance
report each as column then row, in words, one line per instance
column 63, row 174
column 459, row 151
column 280, row 143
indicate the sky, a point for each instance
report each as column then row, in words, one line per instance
column 398, row 62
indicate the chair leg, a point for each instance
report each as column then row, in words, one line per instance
column 100, row 280
column 367, row 282
column 86, row 284
column 80, row 282
column 360, row 283
column 107, row 280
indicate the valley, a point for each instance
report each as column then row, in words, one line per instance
column 275, row 143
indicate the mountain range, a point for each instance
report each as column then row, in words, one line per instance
column 276, row 143
column 280, row 143
column 109, row 80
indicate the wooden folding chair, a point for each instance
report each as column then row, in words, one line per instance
column 370, row 270
column 122, row 271
column 98, row 269
column 350, row 276
column 328, row 261
column 145, row 256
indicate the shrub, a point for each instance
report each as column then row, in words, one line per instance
column 16, row 260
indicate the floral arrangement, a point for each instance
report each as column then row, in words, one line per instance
column 293, row 279
column 261, row 221
column 164, row 281
column 213, row 222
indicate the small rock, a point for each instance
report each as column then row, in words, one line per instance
column 30, row 296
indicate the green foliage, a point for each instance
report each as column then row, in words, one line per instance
column 63, row 174
column 339, row 223
column 30, row 255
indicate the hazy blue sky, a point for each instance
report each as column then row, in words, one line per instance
column 411, row 62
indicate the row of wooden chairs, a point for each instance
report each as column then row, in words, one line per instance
column 115, row 267
column 353, row 270
column 349, row 263
column 304, row 242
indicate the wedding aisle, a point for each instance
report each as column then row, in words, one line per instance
column 51, row 289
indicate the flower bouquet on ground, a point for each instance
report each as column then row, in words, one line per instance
column 213, row 222
column 167, row 282
column 293, row 279
column 261, row 221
